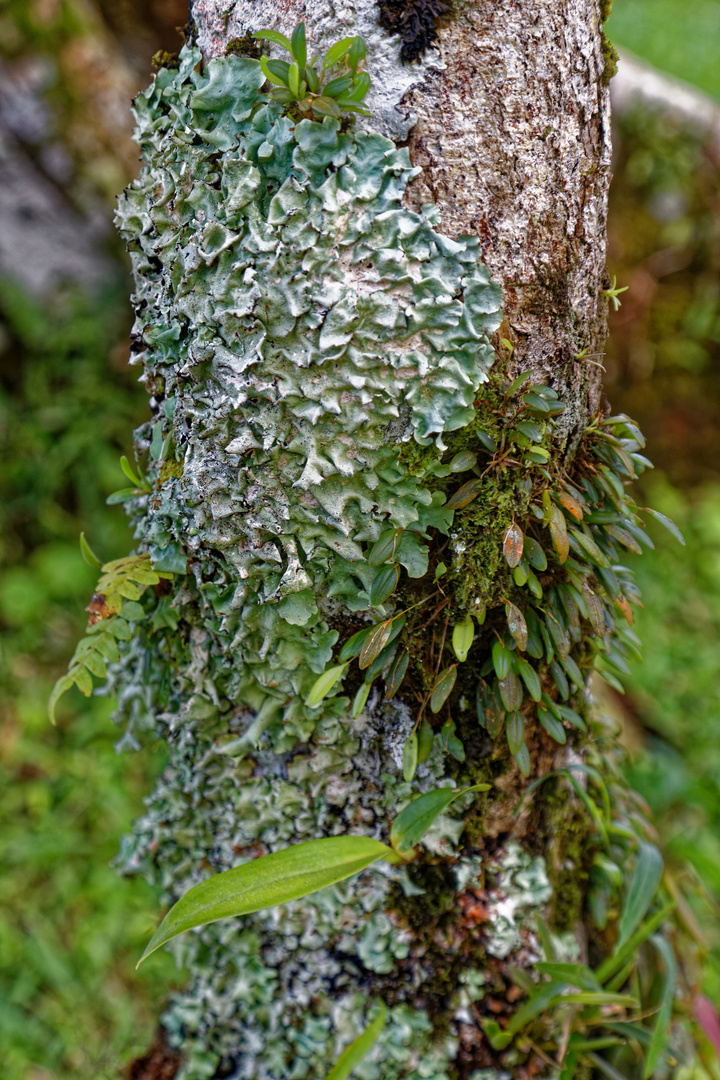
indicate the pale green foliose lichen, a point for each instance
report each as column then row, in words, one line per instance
column 297, row 325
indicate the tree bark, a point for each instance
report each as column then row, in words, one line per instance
column 274, row 472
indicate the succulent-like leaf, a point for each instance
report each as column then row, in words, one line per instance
column 517, row 625
column 442, row 688
column 462, row 638
column 465, row 495
column 513, row 543
column 374, row 643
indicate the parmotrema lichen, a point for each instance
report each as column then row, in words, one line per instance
column 296, row 327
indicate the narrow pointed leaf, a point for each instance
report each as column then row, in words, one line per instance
column 641, row 892
column 358, row 1050
column 668, row 523
column 268, row 881
column 337, row 51
column 413, row 822
column 410, row 756
column 360, row 699
column 426, row 736
column 353, row 646
column 87, row 553
column 522, row 759
column 534, row 554
column 661, row 1029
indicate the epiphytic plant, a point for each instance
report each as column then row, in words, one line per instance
column 336, row 89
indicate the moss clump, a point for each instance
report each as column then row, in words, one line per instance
column 247, row 45
column 610, row 56
column 169, row 470
column 566, row 832
column 163, row 59
column 606, row 7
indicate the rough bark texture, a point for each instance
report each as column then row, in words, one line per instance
column 316, row 346
column 510, row 121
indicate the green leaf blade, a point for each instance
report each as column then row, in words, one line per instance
column 413, row 822
column 268, row 881
column 360, row 1048
column 641, row 892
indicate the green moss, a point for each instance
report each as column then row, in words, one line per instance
column 606, row 7
column 567, row 842
column 610, row 56
column 169, row 469
column 247, row 45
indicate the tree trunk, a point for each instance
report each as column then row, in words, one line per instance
column 327, row 365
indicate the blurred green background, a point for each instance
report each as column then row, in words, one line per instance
column 71, row 1005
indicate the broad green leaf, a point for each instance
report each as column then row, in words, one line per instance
column 462, row 638
column 323, row 685
column 518, row 382
column 641, row 892
column 83, row 680
column 87, row 553
column 668, row 523
column 487, row 441
column 94, row 663
column 298, row 46
column 536, row 403
column 359, row 1049
column 132, row 611
column 443, row 688
column 661, row 1028
column 356, row 54
column 596, row 612
column 410, row 756
column 513, row 543
column 268, row 881
column 361, row 86
column 275, row 37
column 413, row 822
column 452, row 744
column 119, row 628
